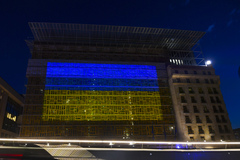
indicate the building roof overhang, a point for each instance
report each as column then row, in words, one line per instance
column 115, row 36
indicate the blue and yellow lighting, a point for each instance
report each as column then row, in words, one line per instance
column 101, row 92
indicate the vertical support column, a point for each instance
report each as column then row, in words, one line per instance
column 3, row 104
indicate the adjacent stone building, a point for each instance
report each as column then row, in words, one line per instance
column 199, row 107
column 11, row 106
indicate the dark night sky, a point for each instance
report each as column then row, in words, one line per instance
column 220, row 19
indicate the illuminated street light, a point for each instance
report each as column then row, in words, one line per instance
column 208, row 62
column 110, row 143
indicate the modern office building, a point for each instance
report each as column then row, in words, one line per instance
column 11, row 106
column 114, row 82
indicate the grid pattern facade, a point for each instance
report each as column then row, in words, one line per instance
column 101, row 92
column 128, row 106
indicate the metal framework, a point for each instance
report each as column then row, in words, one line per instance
column 120, row 36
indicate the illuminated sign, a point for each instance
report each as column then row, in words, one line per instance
column 12, row 117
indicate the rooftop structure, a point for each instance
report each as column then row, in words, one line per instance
column 115, row 36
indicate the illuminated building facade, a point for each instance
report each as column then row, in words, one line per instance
column 103, row 82
column 198, row 103
column 11, row 106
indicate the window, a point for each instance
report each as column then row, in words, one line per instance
column 197, row 81
column 178, row 80
column 208, row 119
column 187, row 119
column 209, row 73
column 202, row 138
column 195, row 109
column 200, row 90
column 206, row 81
column 210, row 129
column 190, row 131
column 191, row 138
column 188, row 80
column 223, row 119
column 194, row 72
column 215, row 91
column 226, row 129
column 193, row 100
column 209, row 90
column 185, row 109
column 204, row 73
column 198, row 120
column 218, row 100
column 200, row 130
column 176, row 71
column 190, row 90
column 186, row 72
column 212, row 99
column 211, row 80
column 215, row 109
column 181, row 90
column 205, row 109
column 183, row 100
column 217, row 119
column 220, row 129
column 203, row 99
column 220, row 109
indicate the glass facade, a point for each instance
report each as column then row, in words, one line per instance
column 73, row 98
column 101, row 92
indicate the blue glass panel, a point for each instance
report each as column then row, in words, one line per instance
column 101, row 77
column 89, row 70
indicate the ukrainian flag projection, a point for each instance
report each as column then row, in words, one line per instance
column 101, row 92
